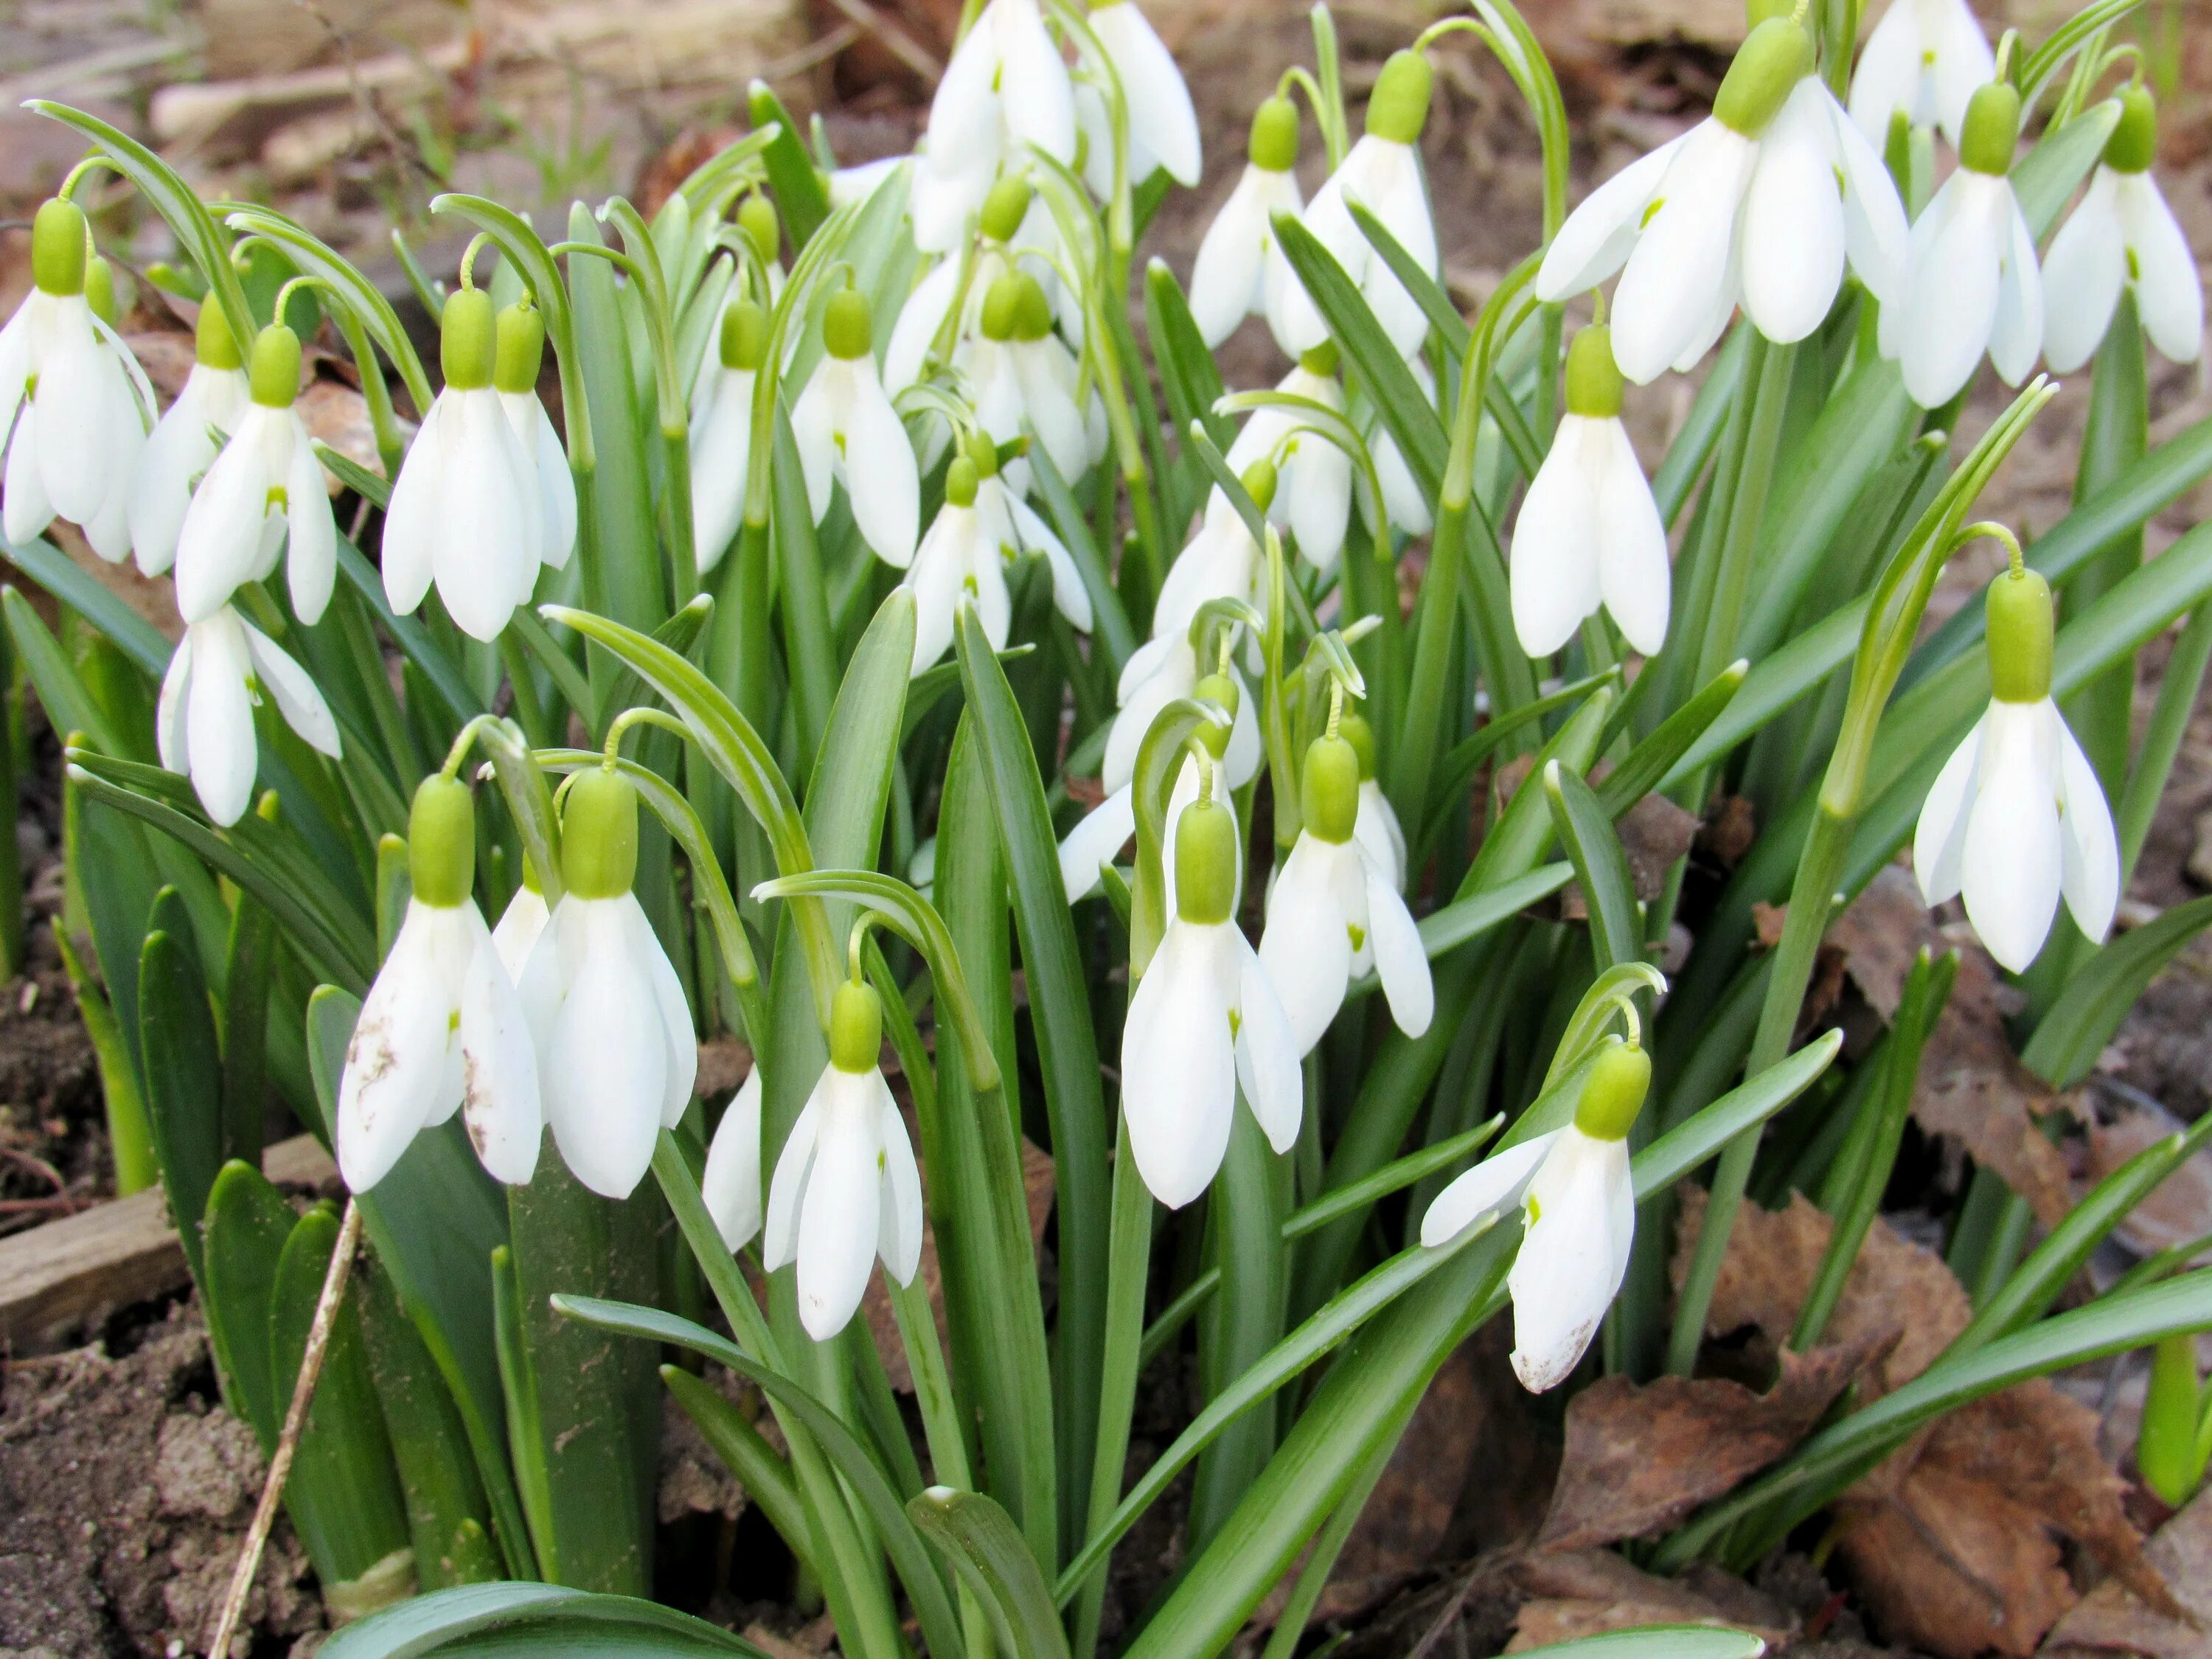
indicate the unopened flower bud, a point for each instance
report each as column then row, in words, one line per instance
column 1991, row 130
column 1005, row 207
column 519, row 348
column 1399, row 107
column 1274, row 145
column 598, row 835
column 1774, row 57
column 441, row 841
column 744, row 336
column 1328, row 789
column 856, row 1027
column 274, row 374
column 1593, row 379
column 2021, row 629
column 58, row 247
column 1206, row 856
column 467, row 339
column 847, row 330
column 1613, row 1092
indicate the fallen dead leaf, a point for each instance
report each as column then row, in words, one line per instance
column 2176, row 1210
column 724, row 1063
column 1576, row 1593
column 1730, row 831
column 1654, row 833
column 1767, row 921
column 2112, row 1619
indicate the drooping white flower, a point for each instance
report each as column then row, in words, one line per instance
column 722, row 432
column 442, row 1028
column 515, row 935
column 1026, row 379
column 847, row 431
column 1237, row 257
column 1971, row 281
column 1763, row 202
column 855, row 184
column 1220, row 561
column 514, row 373
column 1382, row 174
column 2016, row 817
column 1925, row 58
column 1336, row 911
column 1204, row 1022
column 1158, row 671
column 186, row 440
column 846, row 1189
column 982, row 528
column 617, row 1054
column 731, row 1185
column 1589, row 531
column 2122, row 236
column 1006, row 87
column 1313, row 489
column 1578, row 1199
column 1013, row 230
column 204, row 724
column 1375, row 828
column 74, row 404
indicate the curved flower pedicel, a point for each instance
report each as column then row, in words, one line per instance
column 186, row 441
column 1313, row 493
column 1578, row 1197
column 1006, row 87
column 204, row 724
column 2123, row 236
column 1764, row 200
column 2016, row 817
column 847, row 431
column 442, row 1028
column 982, row 527
column 1162, row 124
column 1924, row 58
column 1237, row 260
column 723, row 431
column 846, row 1188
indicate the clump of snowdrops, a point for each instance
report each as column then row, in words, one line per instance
column 1013, row 738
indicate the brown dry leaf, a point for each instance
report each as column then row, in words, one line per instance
column 339, row 415
column 2179, row 1208
column 2112, row 1619
column 1654, row 833
column 1729, row 831
column 724, row 1063
column 1767, row 920
column 1576, row 1593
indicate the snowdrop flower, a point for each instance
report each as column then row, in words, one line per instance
column 1237, row 260
column 1204, row 1021
column 1026, row 379
column 1382, row 174
column 731, row 1185
column 1005, row 219
column 442, row 1028
column 1220, row 561
column 1375, row 828
column 1925, row 58
column 515, row 933
column 74, row 404
column 855, row 184
column 1335, row 912
column 2016, row 817
column 847, row 430
column 763, row 227
column 1313, row 494
column 520, row 349
column 2122, row 235
column 1578, row 1200
column 467, row 511
column 1006, row 87
column 722, row 432
column 616, row 1056
column 1157, row 672
column 1589, row 532
column 1162, row 125
column 1402, row 500
column 982, row 528
column 1764, row 201
column 186, row 440
column 204, row 724
column 1970, row 281
column 262, row 492
column 846, row 1189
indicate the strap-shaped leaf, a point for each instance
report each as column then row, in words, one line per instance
column 983, row 1546
column 314, row 257
column 797, row 187
column 2100, row 994
column 75, row 587
column 514, row 1617
column 1601, row 865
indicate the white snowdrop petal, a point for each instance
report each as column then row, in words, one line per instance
column 1377, row 832
column 1793, row 231
column 838, row 1219
column 500, row 1103
column 312, row 559
column 1267, row 1051
column 219, row 719
column 1952, row 306
column 2083, row 277
column 606, row 1057
column 1684, row 257
column 1552, row 562
column 1939, row 841
column 649, row 962
column 1095, row 841
column 516, row 935
column 1305, row 947
column 1040, row 103
column 919, row 320
column 721, row 450
column 1401, row 962
column 1225, row 279
column 1490, row 1187
column 1888, row 74
column 177, row 452
column 2089, row 849
column 488, row 546
column 887, row 502
column 1178, row 1073
column 812, row 430
column 297, row 696
column 77, row 458
column 2010, row 873
column 414, row 523
column 1963, row 62
column 556, row 485
column 1069, row 595
column 1153, row 86
column 396, row 1057
column 25, row 512
column 2016, row 336
column 1632, row 572
column 1875, row 232
column 1598, row 236
column 786, row 1190
column 220, row 542
column 2169, row 293
column 1559, row 1275
column 172, row 739
column 731, row 1185
column 898, row 1242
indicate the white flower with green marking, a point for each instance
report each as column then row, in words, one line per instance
column 186, row 441
column 1162, row 122
column 204, row 724
column 1313, row 492
column 723, row 431
column 847, row 433
column 1238, row 266
column 731, row 1184
column 981, row 529
column 1924, row 58
column 1006, row 88
column 1221, row 560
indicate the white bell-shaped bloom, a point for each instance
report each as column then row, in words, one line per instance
column 2122, row 236
column 1106, row 828
column 1577, row 1195
column 1015, row 231
column 74, row 404
column 515, row 933
column 1237, row 257
column 1971, row 283
column 1204, row 1022
column 981, row 529
column 442, row 1028
column 1220, row 561
column 2016, row 817
column 722, row 432
column 263, row 495
column 204, row 724
column 1379, row 835
column 845, row 1189
column 1409, row 509
column 1006, row 87
column 184, row 442
column 731, row 1185
column 1764, row 202
column 1925, row 58
column 1158, row 671
column 1163, row 122
column 1025, row 379
column 1313, row 489
column 1335, row 912
column 850, row 187
column 521, row 349
column 847, row 432
column 1589, row 532
column 617, row 1054
column 1382, row 174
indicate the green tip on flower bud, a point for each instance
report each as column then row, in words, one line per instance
column 744, row 336
column 273, row 376
column 1005, row 207
column 1321, row 360
column 1274, row 145
column 441, row 841
column 100, row 289
column 213, row 344
column 1991, row 129
column 1328, row 790
column 1033, row 315
column 960, row 482
column 1354, row 729
column 468, row 339
column 1207, row 857
column 856, row 1027
column 1399, row 107
column 1002, row 308
column 1593, row 379
column 1614, row 1092
column 847, row 330
column 1756, row 12
column 757, row 218
column 58, row 247
column 2133, row 143
column 1260, row 480
column 519, row 347
column 598, row 835
column 1221, row 690
column 2021, row 627
column 982, row 454
column 1774, row 57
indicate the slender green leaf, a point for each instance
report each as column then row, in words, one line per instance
column 979, row 1540
column 524, row 1619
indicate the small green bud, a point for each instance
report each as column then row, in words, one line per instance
column 1221, row 689
column 847, row 330
column 1328, row 789
column 1593, row 379
column 100, row 289
column 58, row 247
column 274, row 374
column 441, row 841
column 2021, row 627
column 1756, row 12
column 1354, row 729
column 960, row 482
column 213, row 344
column 1206, row 856
column 1320, row 362
column 468, row 339
column 520, row 349
column 1033, row 315
column 1274, row 145
column 1399, row 107
column 757, row 218
column 598, row 835
column 1260, row 480
column 1613, row 1093
column 1773, row 59
column 1991, row 129
column 2133, row 143
column 982, row 454
column 1005, row 207
column 744, row 336
column 2166, row 1446
column 856, row 1027
column 1002, row 308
